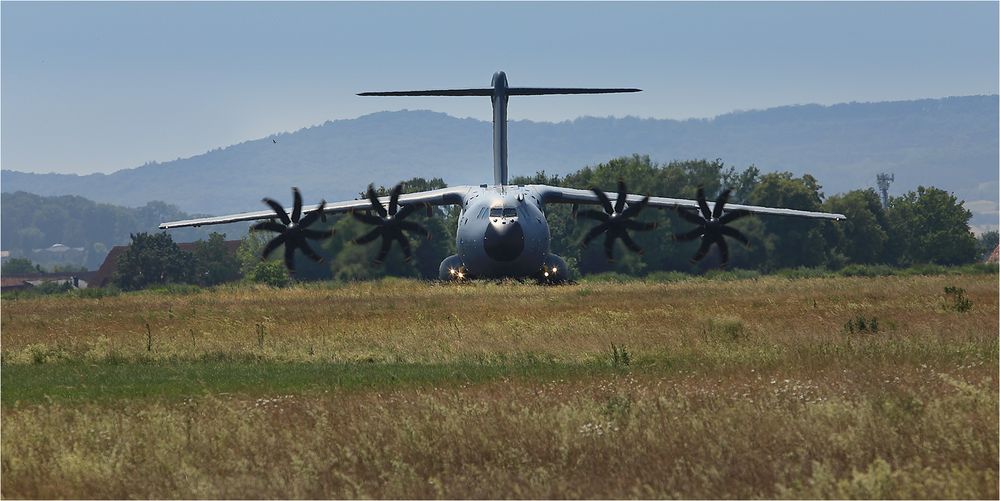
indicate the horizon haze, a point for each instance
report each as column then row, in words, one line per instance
column 101, row 87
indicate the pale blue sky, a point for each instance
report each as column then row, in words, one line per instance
column 97, row 87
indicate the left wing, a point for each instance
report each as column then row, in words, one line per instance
column 555, row 194
column 443, row 196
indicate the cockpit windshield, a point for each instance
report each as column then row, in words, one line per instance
column 503, row 212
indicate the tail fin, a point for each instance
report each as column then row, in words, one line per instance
column 499, row 94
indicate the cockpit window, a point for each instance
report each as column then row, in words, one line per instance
column 503, row 212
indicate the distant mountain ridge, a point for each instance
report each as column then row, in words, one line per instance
column 951, row 143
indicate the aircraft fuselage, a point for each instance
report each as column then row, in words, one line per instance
column 502, row 232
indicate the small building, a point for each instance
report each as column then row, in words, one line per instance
column 14, row 284
column 79, row 280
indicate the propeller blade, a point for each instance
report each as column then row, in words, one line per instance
column 367, row 218
column 605, row 202
column 691, row 235
column 414, row 228
column 297, row 205
column 630, row 244
column 720, row 203
column 383, row 250
column 268, row 226
column 634, row 225
column 736, row 234
column 609, row 242
column 633, row 209
column 592, row 234
column 309, row 252
column 723, row 251
column 593, row 214
column 405, row 211
column 394, row 198
column 317, row 235
column 376, row 205
column 404, row 243
column 278, row 210
column 702, row 250
column 368, row 237
column 702, row 204
column 620, row 201
column 273, row 244
column 290, row 258
column 314, row 215
column 733, row 216
column 691, row 218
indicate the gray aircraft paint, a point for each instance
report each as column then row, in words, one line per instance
column 502, row 231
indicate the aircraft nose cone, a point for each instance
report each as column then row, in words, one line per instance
column 504, row 242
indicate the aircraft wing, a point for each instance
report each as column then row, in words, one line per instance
column 555, row 194
column 444, row 196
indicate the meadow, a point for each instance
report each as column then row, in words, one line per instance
column 772, row 387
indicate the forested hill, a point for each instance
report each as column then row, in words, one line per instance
column 34, row 222
column 951, row 143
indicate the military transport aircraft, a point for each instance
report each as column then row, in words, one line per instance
column 502, row 231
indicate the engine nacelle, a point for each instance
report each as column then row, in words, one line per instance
column 452, row 269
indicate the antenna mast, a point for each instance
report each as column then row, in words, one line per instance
column 883, row 180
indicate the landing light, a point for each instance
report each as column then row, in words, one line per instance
column 451, row 270
column 546, row 273
column 461, row 275
column 554, row 269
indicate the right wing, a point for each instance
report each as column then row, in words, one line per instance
column 454, row 195
column 556, row 194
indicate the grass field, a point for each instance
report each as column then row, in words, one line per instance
column 772, row 387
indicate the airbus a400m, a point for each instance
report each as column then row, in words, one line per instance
column 502, row 230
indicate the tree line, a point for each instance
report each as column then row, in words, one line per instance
column 924, row 226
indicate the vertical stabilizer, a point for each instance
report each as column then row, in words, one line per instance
column 499, row 128
column 499, row 94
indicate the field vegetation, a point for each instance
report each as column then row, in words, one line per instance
column 746, row 386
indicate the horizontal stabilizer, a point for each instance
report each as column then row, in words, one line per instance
column 510, row 91
column 440, row 92
column 542, row 91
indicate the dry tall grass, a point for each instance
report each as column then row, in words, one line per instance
column 398, row 320
column 736, row 389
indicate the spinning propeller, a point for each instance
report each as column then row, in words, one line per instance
column 293, row 231
column 712, row 226
column 616, row 221
column 389, row 224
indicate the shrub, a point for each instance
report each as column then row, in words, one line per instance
column 727, row 329
column 668, row 276
column 868, row 270
column 733, row 274
column 271, row 273
column 97, row 292
column 803, row 272
column 620, row 357
column 608, row 277
column 956, row 300
column 861, row 324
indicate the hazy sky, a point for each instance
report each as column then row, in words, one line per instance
column 97, row 87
